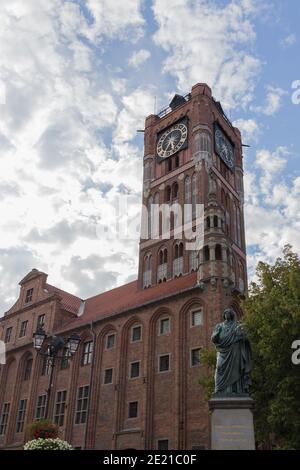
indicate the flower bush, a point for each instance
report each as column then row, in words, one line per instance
column 47, row 444
column 44, row 429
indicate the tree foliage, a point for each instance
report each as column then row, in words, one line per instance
column 272, row 323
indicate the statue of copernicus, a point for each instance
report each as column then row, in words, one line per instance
column 233, row 369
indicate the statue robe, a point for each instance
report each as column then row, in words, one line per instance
column 232, row 374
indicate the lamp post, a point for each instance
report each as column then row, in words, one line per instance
column 57, row 344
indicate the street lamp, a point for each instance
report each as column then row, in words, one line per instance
column 57, row 343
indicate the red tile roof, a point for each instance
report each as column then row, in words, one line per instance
column 128, row 297
column 69, row 302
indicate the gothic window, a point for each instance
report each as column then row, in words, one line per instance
column 147, row 271
column 218, row 252
column 155, row 217
column 176, row 161
column 193, row 260
column 168, row 194
column 178, row 260
column 206, row 253
column 175, row 191
column 215, row 221
column 162, row 268
column 150, row 209
column 208, row 222
column 235, row 234
column 169, row 164
column 194, row 195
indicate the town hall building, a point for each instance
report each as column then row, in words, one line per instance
column 133, row 382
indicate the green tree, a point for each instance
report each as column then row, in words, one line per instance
column 272, row 323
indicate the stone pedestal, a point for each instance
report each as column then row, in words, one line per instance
column 232, row 423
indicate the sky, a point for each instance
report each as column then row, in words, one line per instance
column 78, row 78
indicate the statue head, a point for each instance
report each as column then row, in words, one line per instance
column 229, row 314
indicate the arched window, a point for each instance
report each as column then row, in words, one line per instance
column 176, row 161
column 150, row 209
column 168, row 194
column 193, row 260
column 162, row 268
column 208, row 222
column 147, row 271
column 216, row 221
column 155, row 217
column 194, row 195
column 227, row 214
column 178, row 260
column 206, row 253
column 175, row 191
column 223, row 197
column 218, row 252
column 170, row 164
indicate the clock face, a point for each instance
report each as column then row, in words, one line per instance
column 172, row 140
column 224, row 148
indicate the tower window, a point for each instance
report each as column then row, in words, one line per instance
column 206, row 253
column 175, row 191
column 194, row 195
column 207, row 222
column 170, row 164
column 168, row 194
column 193, row 260
column 215, row 221
column 218, row 253
column 147, row 274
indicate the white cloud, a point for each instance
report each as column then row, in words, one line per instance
column 273, row 101
column 248, row 128
column 205, row 42
column 139, row 57
column 272, row 211
column 58, row 171
column 289, row 40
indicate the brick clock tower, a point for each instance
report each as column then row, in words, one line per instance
column 193, row 156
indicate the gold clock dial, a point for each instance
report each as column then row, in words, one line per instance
column 171, row 140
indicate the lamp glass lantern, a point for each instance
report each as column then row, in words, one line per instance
column 38, row 338
column 73, row 343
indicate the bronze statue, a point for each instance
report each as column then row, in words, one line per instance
column 232, row 375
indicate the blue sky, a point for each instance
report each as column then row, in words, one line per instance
column 78, row 77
